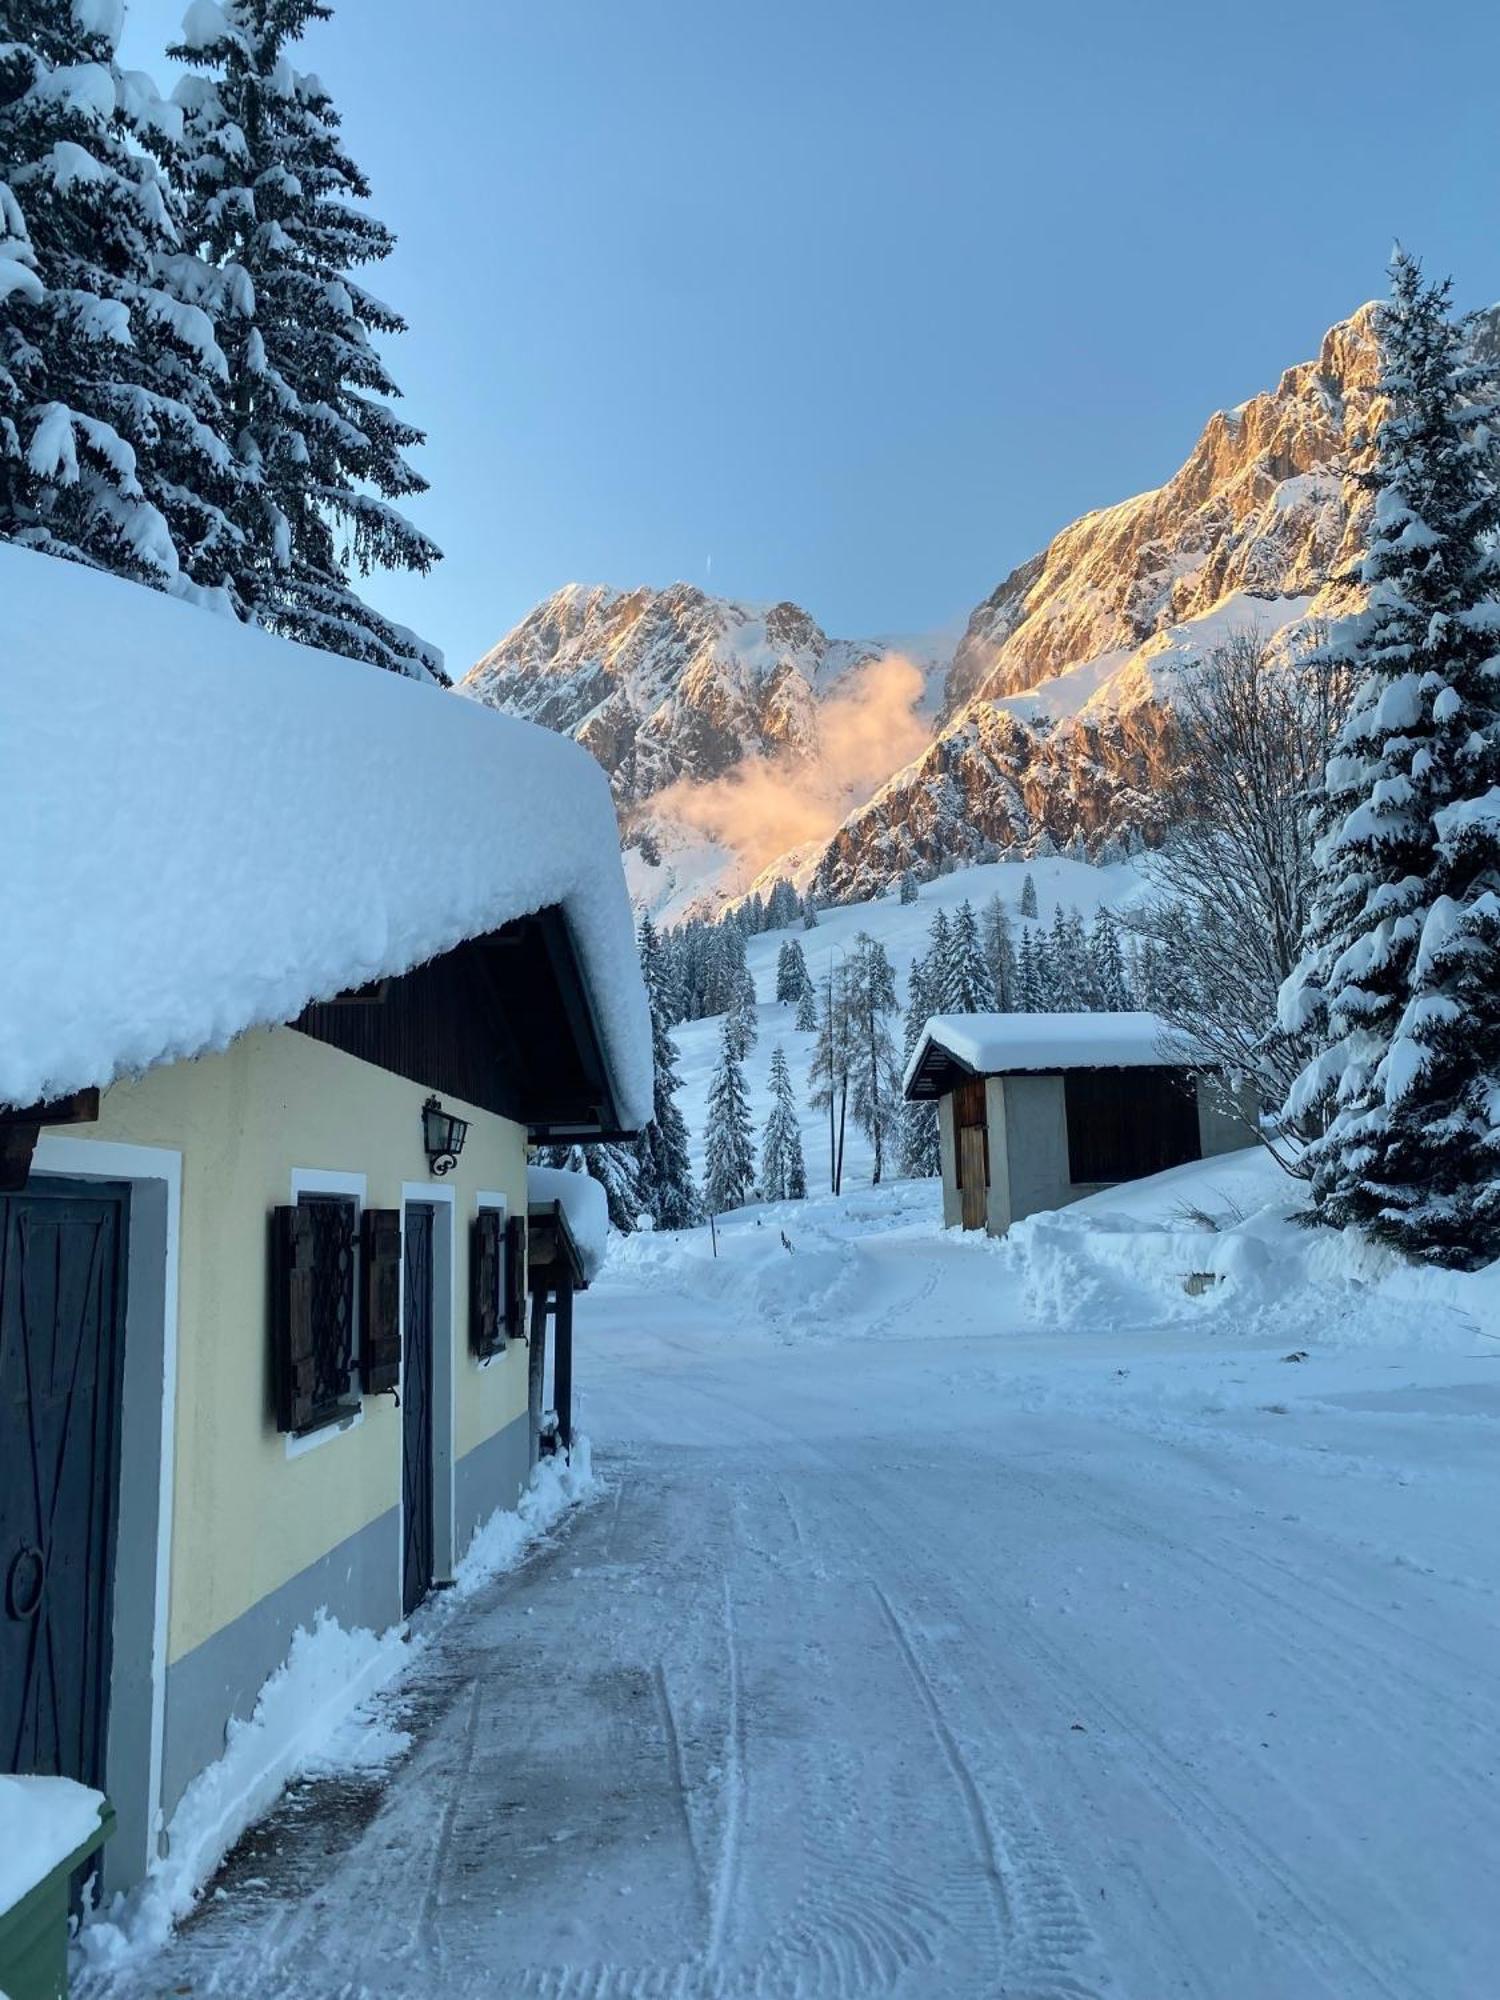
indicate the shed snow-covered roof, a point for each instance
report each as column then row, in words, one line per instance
column 1006, row 1044
column 203, row 829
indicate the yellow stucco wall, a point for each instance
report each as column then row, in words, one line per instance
column 246, row 1515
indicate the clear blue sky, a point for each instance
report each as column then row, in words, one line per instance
column 859, row 300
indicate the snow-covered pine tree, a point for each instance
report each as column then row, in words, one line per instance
column 792, row 976
column 939, row 951
column 920, row 1156
column 908, row 886
column 664, row 1176
column 1398, row 990
column 807, row 1010
column 783, row 1171
column 729, row 1156
column 616, row 1168
column 998, row 941
column 1107, row 962
column 724, row 967
column 111, row 379
column 966, row 984
column 271, row 193
column 809, row 914
column 1072, row 966
column 741, row 1016
column 1028, row 896
column 875, row 1082
column 1033, row 979
column 783, row 905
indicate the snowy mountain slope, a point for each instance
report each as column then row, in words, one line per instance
column 667, row 686
column 902, row 928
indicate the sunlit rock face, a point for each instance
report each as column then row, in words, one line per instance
column 1057, row 707
column 1263, row 505
column 666, row 685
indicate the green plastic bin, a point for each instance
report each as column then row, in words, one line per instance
column 34, row 1932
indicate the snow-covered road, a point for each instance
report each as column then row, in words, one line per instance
column 915, row 1665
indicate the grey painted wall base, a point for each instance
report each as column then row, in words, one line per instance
column 493, row 1474
column 357, row 1583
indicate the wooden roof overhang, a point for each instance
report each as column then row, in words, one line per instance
column 552, row 1250
column 936, row 1074
column 504, row 1021
column 940, row 1071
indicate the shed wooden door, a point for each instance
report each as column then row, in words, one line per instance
column 62, row 1341
column 416, row 1407
column 971, row 1174
column 972, row 1144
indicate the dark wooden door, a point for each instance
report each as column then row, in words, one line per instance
column 416, row 1407
column 62, row 1341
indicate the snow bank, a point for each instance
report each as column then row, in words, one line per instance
column 1220, row 1241
column 998, row 1044
column 42, row 1821
column 585, row 1205
column 315, row 1717
column 557, row 1484
column 1214, row 1247
column 215, row 827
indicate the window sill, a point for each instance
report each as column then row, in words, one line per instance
column 348, row 1420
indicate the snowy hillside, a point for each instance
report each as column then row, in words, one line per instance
column 902, row 928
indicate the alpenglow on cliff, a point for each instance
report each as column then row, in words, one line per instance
column 1047, row 718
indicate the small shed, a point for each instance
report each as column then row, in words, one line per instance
column 1038, row 1110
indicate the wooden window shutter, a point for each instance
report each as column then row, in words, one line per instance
column 486, row 1326
column 294, row 1361
column 515, row 1278
column 380, row 1361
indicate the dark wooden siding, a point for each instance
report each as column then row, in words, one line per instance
column 969, row 1110
column 501, row 1022
column 1123, row 1123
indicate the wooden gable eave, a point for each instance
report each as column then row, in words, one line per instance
column 938, row 1072
column 503, row 1021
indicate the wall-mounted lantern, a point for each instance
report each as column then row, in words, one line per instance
column 443, row 1136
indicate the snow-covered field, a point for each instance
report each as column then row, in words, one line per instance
column 902, row 928
column 964, row 1619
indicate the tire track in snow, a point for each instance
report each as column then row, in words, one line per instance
column 427, row 1928
column 1040, row 1924
column 1247, row 1861
column 963, row 1777
column 679, row 1779
column 726, row 1875
column 1243, row 1855
column 1331, row 1663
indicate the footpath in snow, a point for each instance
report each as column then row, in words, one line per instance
column 959, row 1618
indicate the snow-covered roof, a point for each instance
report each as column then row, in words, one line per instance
column 1002, row 1044
column 585, row 1209
column 204, row 829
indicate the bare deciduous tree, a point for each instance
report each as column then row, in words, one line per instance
column 1252, row 732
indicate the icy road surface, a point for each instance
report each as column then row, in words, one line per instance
column 1043, row 1665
